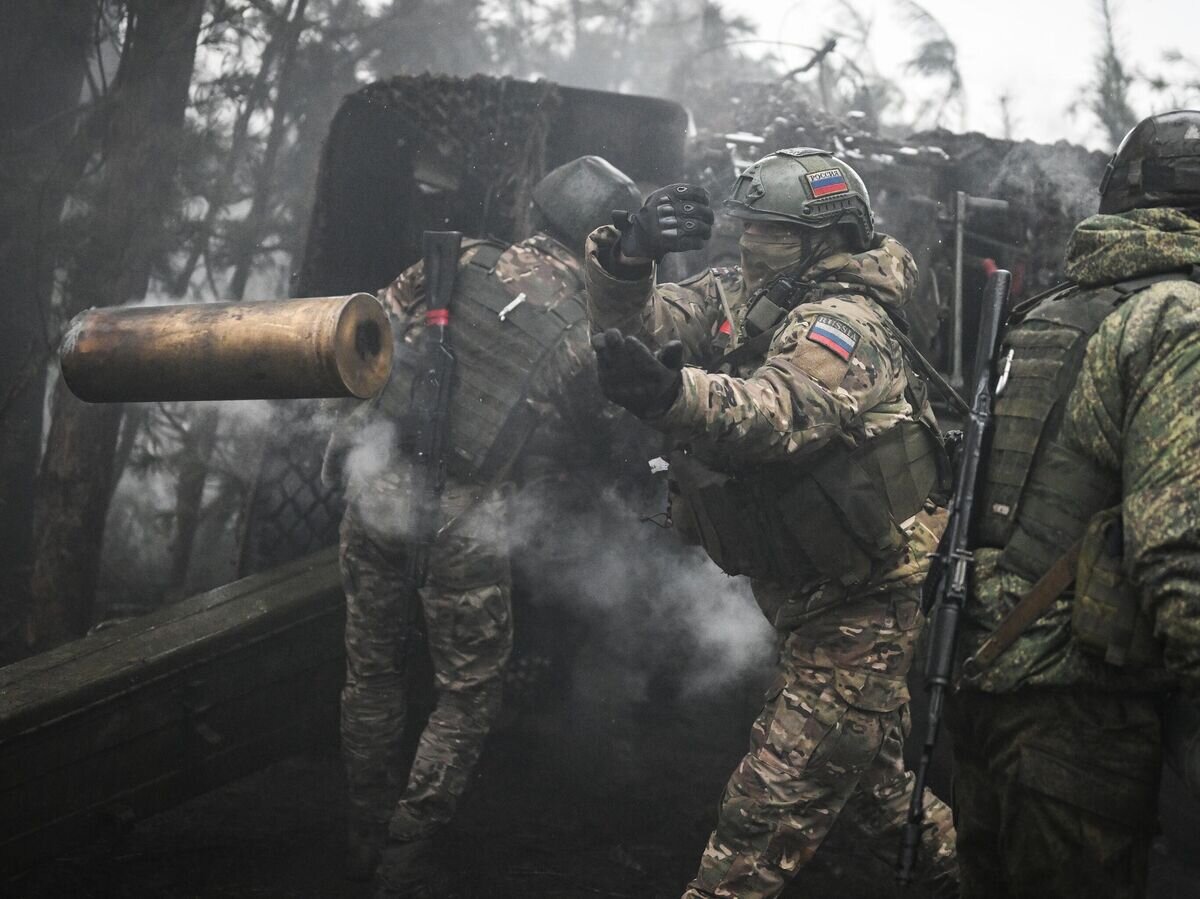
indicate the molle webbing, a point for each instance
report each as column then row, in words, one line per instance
column 490, row 420
column 841, row 511
column 1064, row 491
column 865, row 496
column 497, row 362
column 1048, row 348
column 1038, row 494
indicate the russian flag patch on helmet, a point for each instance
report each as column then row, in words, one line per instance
column 834, row 335
column 828, row 183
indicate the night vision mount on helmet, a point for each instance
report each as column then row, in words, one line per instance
column 579, row 196
column 804, row 186
column 1157, row 164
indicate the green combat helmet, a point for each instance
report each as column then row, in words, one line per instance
column 1157, row 164
column 804, row 186
column 580, row 196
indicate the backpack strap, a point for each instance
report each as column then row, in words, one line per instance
column 1029, row 608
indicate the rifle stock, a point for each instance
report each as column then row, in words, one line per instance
column 956, row 559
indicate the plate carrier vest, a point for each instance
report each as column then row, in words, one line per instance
column 496, row 363
column 1040, row 498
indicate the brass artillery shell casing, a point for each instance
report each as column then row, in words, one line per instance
column 273, row 349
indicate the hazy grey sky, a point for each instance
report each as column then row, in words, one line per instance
column 1040, row 52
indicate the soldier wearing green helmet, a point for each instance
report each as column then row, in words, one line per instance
column 1083, row 615
column 801, row 186
column 805, row 457
column 523, row 402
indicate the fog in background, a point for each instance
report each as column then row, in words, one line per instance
column 171, row 156
column 1037, row 56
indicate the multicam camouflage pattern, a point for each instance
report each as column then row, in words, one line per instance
column 828, row 738
column 827, row 746
column 466, row 604
column 1133, row 410
column 468, row 622
column 539, row 265
column 800, row 395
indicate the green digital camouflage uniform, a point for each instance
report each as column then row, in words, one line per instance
column 1058, row 753
column 829, row 738
column 466, row 604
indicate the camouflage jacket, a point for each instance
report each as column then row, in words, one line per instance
column 573, row 412
column 1133, row 410
column 783, row 406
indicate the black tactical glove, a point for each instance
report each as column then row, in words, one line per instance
column 673, row 219
column 643, row 382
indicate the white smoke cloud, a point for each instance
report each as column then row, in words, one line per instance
column 655, row 603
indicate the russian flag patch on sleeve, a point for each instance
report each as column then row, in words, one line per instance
column 836, row 336
column 828, row 183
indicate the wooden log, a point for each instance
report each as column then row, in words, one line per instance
column 136, row 718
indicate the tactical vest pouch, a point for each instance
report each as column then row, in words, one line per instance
column 841, row 511
column 1048, row 346
column 710, row 509
column 769, row 304
column 763, row 315
column 1063, row 491
column 868, row 494
column 497, row 363
column 1047, row 354
column 1106, row 616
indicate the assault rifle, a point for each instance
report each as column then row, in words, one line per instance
column 952, row 568
column 430, row 403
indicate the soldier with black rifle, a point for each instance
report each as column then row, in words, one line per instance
column 806, row 453
column 1085, row 599
column 493, row 382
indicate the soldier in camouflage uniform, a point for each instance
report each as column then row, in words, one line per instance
column 806, row 451
column 525, row 398
column 1058, row 739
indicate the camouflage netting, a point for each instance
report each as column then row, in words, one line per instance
column 419, row 152
column 290, row 513
column 431, row 152
column 913, row 182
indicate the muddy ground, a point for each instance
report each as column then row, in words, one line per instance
column 587, row 789
column 562, row 806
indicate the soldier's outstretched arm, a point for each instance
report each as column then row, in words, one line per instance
column 832, row 372
column 620, row 272
column 1136, row 401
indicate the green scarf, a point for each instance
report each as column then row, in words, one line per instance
column 1108, row 248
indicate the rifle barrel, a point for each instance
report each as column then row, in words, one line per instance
column 956, row 559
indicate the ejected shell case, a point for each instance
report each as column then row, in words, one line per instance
column 274, row 349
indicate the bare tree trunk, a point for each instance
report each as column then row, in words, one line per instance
column 141, row 145
column 244, row 253
column 1110, row 100
column 200, row 440
column 255, row 97
column 44, row 49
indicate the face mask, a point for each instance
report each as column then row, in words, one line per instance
column 765, row 258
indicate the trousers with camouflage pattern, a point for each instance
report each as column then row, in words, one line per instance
column 1043, row 776
column 820, row 753
column 467, row 612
